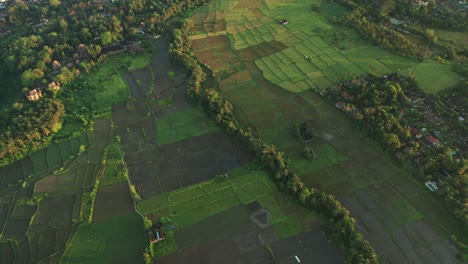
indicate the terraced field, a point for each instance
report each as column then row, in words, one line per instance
column 307, row 53
column 274, row 88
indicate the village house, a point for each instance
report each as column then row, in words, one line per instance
column 156, row 235
column 346, row 96
column 34, row 94
column 53, row 86
column 434, row 141
column 415, row 133
column 283, row 21
column 56, row 65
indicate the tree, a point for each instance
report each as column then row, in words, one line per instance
column 30, row 77
column 94, row 50
column 171, row 74
column 309, row 153
column 63, row 25
column 107, row 38
column 54, row 3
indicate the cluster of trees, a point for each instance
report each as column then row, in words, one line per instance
column 381, row 35
column 445, row 15
column 382, row 109
column 338, row 223
column 452, row 16
column 43, row 35
column 305, row 132
column 27, row 126
column 369, row 17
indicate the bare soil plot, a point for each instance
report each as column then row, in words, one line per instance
column 6, row 252
column 262, row 49
column 183, row 163
column 207, row 155
column 144, row 79
column 28, row 167
column 232, row 237
column 309, row 247
column 4, row 208
column 212, row 252
column 112, row 200
column 144, row 178
column 56, row 211
column 124, row 113
column 11, row 174
column 232, row 222
column 15, row 229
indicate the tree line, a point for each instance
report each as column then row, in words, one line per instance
column 371, row 19
column 338, row 223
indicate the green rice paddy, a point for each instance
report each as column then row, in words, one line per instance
column 184, row 125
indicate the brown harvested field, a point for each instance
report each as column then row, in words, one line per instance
column 309, row 247
column 112, row 200
column 101, row 133
column 210, row 42
column 183, row 163
column 145, row 179
column 11, row 174
column 144, row 78
column 7, row 254
column 217, row 251
column 15, row 229
column 125, row 113
column 23, row 212
column 129, row 144
column 55, row 211
column 227, row 237
column 260, row 50
column 4, row 208
column 28, row 167
column 132, row 84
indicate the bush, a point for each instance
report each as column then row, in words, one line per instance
column 309, row 153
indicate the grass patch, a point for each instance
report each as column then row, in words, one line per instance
column 107, row 241
column 403, row 212
column 114, row 169
column 165, row 247
column 184, row 125
column 433, row 77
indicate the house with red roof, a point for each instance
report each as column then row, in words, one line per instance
column 434, row 141
column 346, row 96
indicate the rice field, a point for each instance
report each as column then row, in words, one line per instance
column 245, row 185
column 318, row 54
column 275, row 90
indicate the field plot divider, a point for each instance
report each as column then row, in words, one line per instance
column 128, row 181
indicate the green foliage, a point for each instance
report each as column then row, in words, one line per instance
column 81, row 150
column 28, row 128
column 183, row 125
column 305, row 132
column 309, row 153
column 171, row 74
column 386, row 113
column 147, row 223
column 164, row 247
column 135, row 195
column 109, row 240
column 88, row 204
